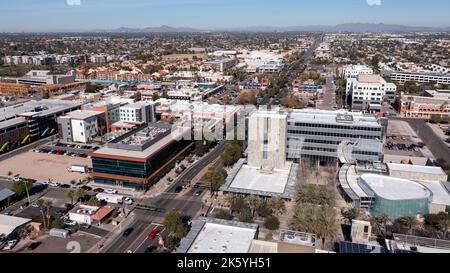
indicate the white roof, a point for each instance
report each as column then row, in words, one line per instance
column 82, row 114
column 9, row 223
column 251, row 178
column 440, row 194
column 415, row 168
column 216, row 238
column 392, row 188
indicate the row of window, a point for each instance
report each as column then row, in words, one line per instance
column 335, row 126
column 331, row 134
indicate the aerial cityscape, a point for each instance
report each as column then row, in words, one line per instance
column 215, row 127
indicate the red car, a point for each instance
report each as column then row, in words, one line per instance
column 99, row 190
column 153, row 233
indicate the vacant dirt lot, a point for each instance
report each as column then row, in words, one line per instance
column 42, row 166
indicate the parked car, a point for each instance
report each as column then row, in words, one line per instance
column 127, row 232
column 128, row 201
column 99, row 190
column 54, row 184
column 64, row 186
column 86, row 188
column 11, row 244
column 110, row 191
column 153, row 233
column 198, row 193
column 33, row 245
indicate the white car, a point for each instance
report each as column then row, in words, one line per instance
column 54, row 184
column 16, row 179
column 11, row 244
column 110, row 191
column 128, row 201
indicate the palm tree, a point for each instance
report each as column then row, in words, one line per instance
column 41, row 205
column 379, row 224
column 410, row 223
column 277, row 205
column 253, row 202
column 71, row 194
column 327, row 227
column 351, row 214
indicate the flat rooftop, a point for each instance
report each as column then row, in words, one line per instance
column 82, row 114
column 251, row 180
column 372, row 78
column 440, row 193
column 10, row 115
column 210, row 235
column 392, row 188
column 142, row 143
column 415, row 168
column 333, row 117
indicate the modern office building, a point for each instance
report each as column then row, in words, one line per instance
column 417, row 77
column 138, row 112
column 352, row 71
column 82, row 126
column 110, row 109
column 32, row 120
column 367, row 92
column 138, row 159
column 396, row 190
column 316, row 134
column 43, row 77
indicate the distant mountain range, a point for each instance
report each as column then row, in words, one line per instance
column 350, row 27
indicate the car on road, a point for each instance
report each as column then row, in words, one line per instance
column 33, row 245
column 64, row 186
column 111, row 191
column 198, row 193
column 154, row 233
column 127, row 232
column 54, row 184
column 70, row 223
column 11, row 244
column 128, row 201
column 178, row 189
column 86, row 188
column 34, row 205
column 99, row 190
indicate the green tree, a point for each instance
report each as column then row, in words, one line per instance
column 253, row 202
column 277, row 205
column 379, row 225
column 173, row 223
column 71, row 194
column 215, row 180
column 236, row 203
column 155, row 96
column 20, row 187
column 272, row 223
column 315, row 194
column 406, row 224
column 223, row 214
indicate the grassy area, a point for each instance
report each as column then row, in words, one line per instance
column 13, row 71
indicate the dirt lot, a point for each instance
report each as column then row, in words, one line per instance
column 79, row 242
column 42, row 166
column 399, row 132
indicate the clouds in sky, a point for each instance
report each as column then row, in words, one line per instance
column 374, row 2
column 73, row 2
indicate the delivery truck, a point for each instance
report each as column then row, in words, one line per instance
column 78, row 168
column 110, row 198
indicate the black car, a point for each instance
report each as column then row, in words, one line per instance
column 33, row 245
column 86, row 188
column 127, row 232
column 64, row 186
column 178, row 189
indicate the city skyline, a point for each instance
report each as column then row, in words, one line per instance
column 86, row 15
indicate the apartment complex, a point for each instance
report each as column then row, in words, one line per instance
column 138, row 112
column 141, row 157
column 367, row 92
column 81, row 126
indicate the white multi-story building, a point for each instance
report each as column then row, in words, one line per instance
column 138, row 112
column 81, row 126
column 352, row 71
column 417, row 77
column 368, row 91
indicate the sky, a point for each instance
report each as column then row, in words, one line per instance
column 67, row 15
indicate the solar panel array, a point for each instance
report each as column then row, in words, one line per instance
column 349, row 247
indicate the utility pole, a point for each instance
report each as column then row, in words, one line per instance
column 26, row 189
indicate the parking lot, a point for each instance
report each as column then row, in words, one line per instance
column 43, row 166
column 402, row 140
column 79, row 242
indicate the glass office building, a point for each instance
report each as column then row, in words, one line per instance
column 140, row 158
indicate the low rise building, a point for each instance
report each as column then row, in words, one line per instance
column 81, row 126
column 424, row 107
column 352, row 71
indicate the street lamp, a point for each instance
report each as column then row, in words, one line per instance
column 26, row 189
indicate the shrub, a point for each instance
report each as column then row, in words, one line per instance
column 272, row 223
